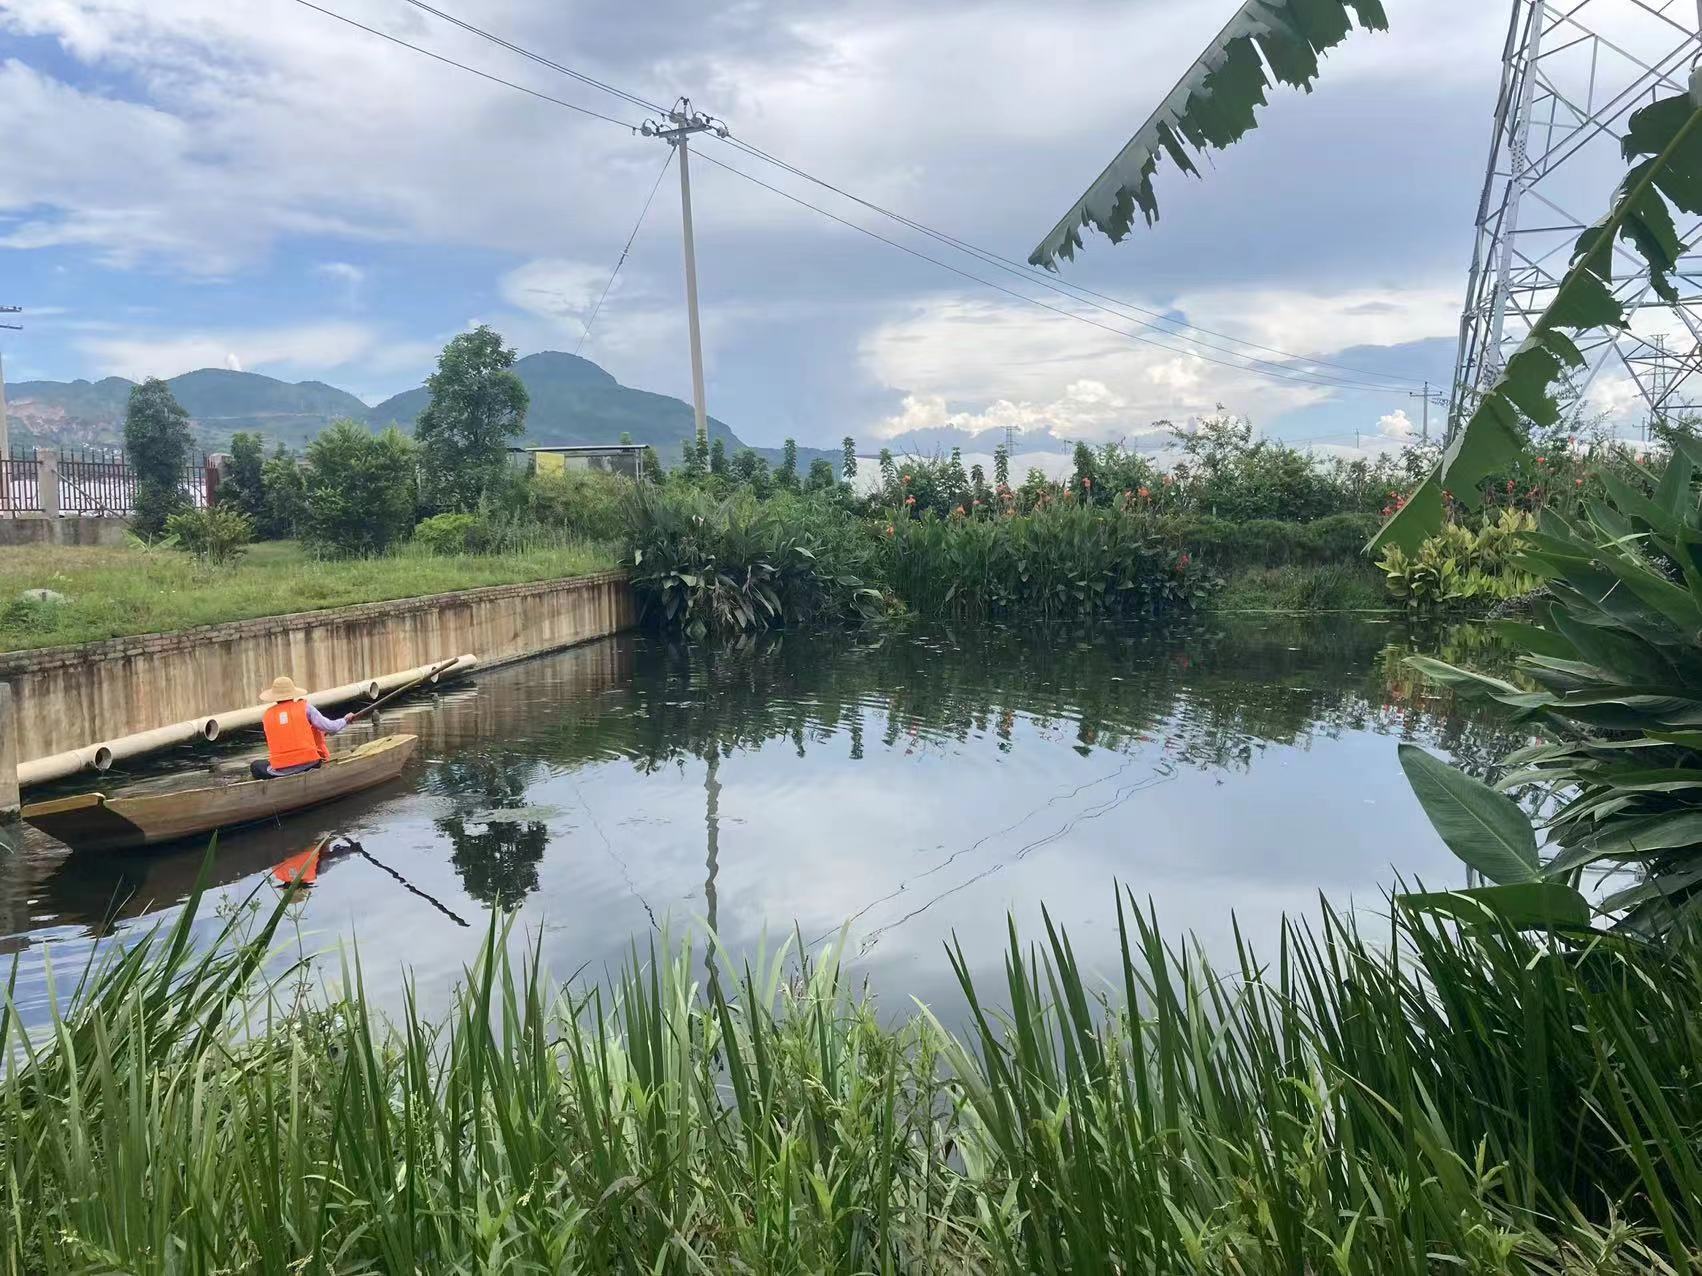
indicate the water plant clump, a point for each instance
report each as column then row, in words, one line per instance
column 1424, row 1097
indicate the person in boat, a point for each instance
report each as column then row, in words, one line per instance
column 295, row 731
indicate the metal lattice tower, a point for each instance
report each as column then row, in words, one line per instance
column 1572, row 73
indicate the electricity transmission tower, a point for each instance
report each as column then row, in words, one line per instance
column 1572, row 73
column 676, row 130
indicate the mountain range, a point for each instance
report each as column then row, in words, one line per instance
column 572, row 401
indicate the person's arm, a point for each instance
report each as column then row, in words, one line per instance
column 330, row 726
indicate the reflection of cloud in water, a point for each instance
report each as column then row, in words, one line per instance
column 922, row 784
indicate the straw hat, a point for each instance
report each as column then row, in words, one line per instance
column 283, row 688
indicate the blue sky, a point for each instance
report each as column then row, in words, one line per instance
column 193, row 183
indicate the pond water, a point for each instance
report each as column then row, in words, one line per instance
column 913, row 785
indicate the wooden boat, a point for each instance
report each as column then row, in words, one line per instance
column 95, row 822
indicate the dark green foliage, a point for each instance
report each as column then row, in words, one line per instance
column 703, row 566
column 786, row 477
column 156, row 442
column 650, row 465
column 244, row 487
column 1062, row 562
column 1615, row 652
column 718, row 458
column 285, row 503
column 579, row 503
column 848, row 458
column 359, row 491
column 477, row 406
column 1339, row 538
column 691, row 460
column 820, row 477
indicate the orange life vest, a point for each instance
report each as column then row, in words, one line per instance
column 291, row 740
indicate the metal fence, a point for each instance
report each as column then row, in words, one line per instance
column 88, row 482
column 19, row 490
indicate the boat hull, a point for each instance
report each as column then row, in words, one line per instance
column 95, row 822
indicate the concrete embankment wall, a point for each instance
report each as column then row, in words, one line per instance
column 67, row 697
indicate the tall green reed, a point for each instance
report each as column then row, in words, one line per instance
column 1425, row 1098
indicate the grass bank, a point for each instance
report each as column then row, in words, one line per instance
column 1344, row 586
column 1429, row 1098
column 113, row 592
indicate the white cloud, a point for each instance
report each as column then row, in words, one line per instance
column 322, row 345
column 977, row 364
column 557, row 289
column 1397, row 425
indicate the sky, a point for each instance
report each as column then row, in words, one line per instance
column 194, row 183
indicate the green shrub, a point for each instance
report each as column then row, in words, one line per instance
column 285, row 501
column 1225, row 545
column 448, row 534
column 219, row 534
column 359, row 490
column 1063, row 561
column 579, row 503
column 702, row 565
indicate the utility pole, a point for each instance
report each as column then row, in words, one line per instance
column 1426, row 434
column 681, row 123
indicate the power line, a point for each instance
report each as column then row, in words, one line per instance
column 1074, row 291
column 462, row 66
column 541, row 60
column 1279, row 374
column 621, row 260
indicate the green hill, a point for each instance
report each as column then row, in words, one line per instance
column 573, row 401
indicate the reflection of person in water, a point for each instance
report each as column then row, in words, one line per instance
column 497, row 857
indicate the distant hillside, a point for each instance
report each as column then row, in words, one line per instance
column 573, row 401
column 219, row 403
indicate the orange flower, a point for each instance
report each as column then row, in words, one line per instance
column 891, row 530
column 1578, row 482
column 1146, row 493
column 906, row 478
column 1542, row 460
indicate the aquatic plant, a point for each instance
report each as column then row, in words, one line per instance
column 1429, row 1097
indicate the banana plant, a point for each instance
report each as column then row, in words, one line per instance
column 1613, row 663
column 1213, row 106
column 1667, row 136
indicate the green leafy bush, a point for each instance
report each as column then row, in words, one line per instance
column 702, row 565
column 156, row 442
column 358, row 490
column 448, row 534
column 1614, row 652
column 1459, row 566
column 219, row 534
column 579, row 502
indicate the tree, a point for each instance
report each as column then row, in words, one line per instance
column 718, row 457
column 889, row 469
column 787, row 477
column 650, row 465
column 691, row 460
column 359, row 490
column 244, row 490
column 285, row 495
column 156, row 438
column 848, row 458
column 820, row 478
column 477, row 404
column 1001, row 466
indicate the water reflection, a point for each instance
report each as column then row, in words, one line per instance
column 917, row 784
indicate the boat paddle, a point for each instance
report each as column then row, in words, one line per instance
column 406, row 687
